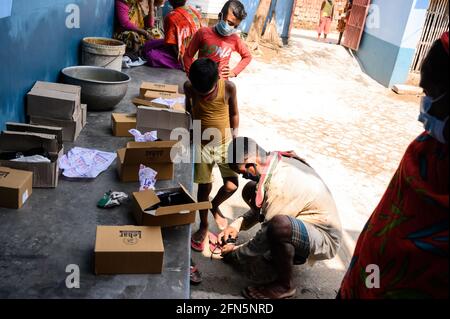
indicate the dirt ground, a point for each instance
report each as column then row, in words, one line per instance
column 313, row 97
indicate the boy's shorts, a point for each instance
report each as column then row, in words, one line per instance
column 206, row 156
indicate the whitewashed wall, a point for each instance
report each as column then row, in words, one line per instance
column 208, row 6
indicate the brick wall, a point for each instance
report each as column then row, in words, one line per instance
column 306, row 14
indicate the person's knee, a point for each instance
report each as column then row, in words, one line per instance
column 249, row 192
column 231, row 185
column 279, row 229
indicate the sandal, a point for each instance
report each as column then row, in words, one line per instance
column 197, row 246
column 195, row 276
column 200, row 246
column 258, row 294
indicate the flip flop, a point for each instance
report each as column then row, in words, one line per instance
column 195, row 276
column 245, row 292
column 200, row 246
column 197, row 246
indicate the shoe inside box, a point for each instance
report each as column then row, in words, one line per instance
column 171, row 197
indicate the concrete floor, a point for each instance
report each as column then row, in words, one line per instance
column 312, row 97
column 57, row 227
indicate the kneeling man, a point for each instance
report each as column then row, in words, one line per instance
column 298, row 216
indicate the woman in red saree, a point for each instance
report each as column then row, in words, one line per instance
column 180, row 25
column 406, row 237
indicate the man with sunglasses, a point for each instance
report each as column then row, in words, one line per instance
column 220, row 41
column 298, row 216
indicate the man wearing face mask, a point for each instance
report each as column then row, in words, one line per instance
column 407, row 234
column 298, row 216
column 219, row 41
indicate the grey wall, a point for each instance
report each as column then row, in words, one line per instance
column 35, row 44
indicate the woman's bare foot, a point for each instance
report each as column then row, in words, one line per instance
column 272, row 291
column 221, row 220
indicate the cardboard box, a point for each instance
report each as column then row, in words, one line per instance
column 142, row 102
column 66, row 88
column 180, row 211
column 161, row 120
column 22, row 127
column 151, row 95
column 52, row 104
column 71, row 129
column 15, row 187
column 84, row 115
column 155, row 155
column 159, row 87
column 45, row 175
column 128, row 250
column 121, row 123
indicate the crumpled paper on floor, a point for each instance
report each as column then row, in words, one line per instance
column 85, row 163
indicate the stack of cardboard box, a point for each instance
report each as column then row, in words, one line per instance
column 21, row 138
column 150, row 92
column 55, row 104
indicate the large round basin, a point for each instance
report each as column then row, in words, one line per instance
column 101, row 89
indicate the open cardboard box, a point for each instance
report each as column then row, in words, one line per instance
column 161, row 120
column 128, row 250
column 180, row 107
column 151, row 95
column 155, row 155
column 23, row 137
column 151, row 210
column 15, row 187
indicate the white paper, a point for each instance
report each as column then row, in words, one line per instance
column 32, row 159
column 128, row 63
column 146, row 137
column 147, row 178
column 85, row 163
column 24, row 196
column 170, row 103
column 150, row 212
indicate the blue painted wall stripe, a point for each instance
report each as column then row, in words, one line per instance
column 36, row 45
column 402, row 66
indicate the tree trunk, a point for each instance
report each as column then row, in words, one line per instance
column 257, row 26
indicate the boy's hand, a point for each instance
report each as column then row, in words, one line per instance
column 226, row 73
